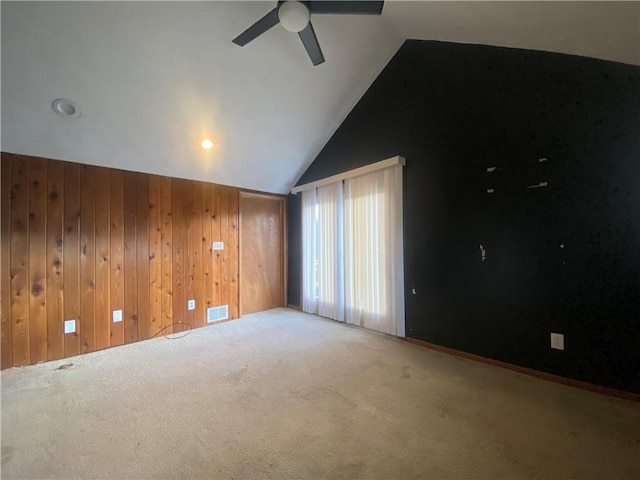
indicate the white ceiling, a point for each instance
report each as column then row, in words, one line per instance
column 155, row 78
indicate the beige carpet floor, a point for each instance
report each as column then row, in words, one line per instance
column 281, row 394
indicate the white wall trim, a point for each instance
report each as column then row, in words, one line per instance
column 356, row 172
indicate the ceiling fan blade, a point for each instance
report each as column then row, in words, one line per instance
column 346, row 7
column 310, row 42
column 258, row 28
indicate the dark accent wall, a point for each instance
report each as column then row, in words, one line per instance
column 294, row 251
column 563, row 258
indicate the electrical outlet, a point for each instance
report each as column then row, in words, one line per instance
column 217, row 246
column 191, row 305
column 557, row 341
column 117, row 316
column 69, row 326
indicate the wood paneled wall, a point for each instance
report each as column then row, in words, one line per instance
column 79, row 242
column 262, row 225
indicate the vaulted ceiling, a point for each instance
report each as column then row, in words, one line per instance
column 153, row 79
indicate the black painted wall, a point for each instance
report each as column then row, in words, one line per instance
column 294, row 250
column 565, row 258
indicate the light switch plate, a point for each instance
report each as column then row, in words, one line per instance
column 557, row 341
column 191, row 305
column 117, row 316
column 69, row 326
column 217, row 246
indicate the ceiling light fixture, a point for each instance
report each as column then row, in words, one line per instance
column 294, row 16
column 65, row 108
column 206, row 144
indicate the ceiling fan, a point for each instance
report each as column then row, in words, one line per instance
column 295, row 16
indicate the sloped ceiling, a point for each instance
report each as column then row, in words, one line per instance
column 154, row 78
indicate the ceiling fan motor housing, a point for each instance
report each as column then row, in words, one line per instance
column 294, row 15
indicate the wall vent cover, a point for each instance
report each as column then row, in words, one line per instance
column 215, row 314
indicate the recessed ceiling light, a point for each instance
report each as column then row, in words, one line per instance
column 206, row 144
column 66, row 108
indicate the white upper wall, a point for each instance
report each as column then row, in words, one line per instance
column 605, row 30
column 154, row 78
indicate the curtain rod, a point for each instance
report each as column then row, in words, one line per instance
column 356, row 172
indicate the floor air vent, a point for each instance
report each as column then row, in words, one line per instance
column 215, row 314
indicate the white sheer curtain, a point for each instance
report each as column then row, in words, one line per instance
column 374, row 275
column 352, row 251
column 330, row 257
column 309, row 251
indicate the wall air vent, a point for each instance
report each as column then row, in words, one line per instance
column 215, row 314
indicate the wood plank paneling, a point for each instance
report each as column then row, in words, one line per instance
column 178, row 255
column 19, row 258
column 155, row 256
column 116, row 221
column 87, row 258
column 129, row 266
column 142, row 250
column 55, row 254
column 5, row 259
column 225, row 270
column 37, row 260
column 80, row 241
column 71, row 246
column 216, row 234
column 262, row 252
column 234, row 240
column 187, row 249
column 198, row 318
column 167, row 254
column 103, row 258
column 207, row 239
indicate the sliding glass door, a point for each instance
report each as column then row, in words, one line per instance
column 352, row 251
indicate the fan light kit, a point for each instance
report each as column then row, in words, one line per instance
column 66, row 108
column 295, row 16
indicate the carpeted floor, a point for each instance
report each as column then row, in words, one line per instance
column 281, row 394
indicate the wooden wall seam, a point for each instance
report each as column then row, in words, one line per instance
column 19, row 258
column 54, row 260
column 87, row 258
column 177, row 265
column 207, row 251
column 37, row 263
column 5, row 259
column 234, row 253
column 80, row 241
column 130, row 264
column 143, row 277
column 196, row 245
column 103, row 258
column 155, row 256
column 167, row 255
column 116, row 266
column 71, row 255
